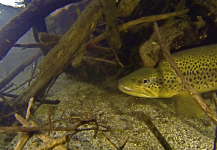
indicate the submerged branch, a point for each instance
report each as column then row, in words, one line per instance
column 197, row 98
column 58, row 141
column 60, row 56
column 40, row 135
column 151, row 19
column 14, row 73
column 155, row 131
column 138, row 21
column 99, row 59
column 20, row 24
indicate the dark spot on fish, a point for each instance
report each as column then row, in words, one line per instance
column 133, row 80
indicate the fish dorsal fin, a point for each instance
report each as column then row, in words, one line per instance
column 186, row 105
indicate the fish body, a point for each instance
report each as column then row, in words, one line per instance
column 198, row 65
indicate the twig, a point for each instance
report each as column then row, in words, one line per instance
column 49, row 120
column 22, row 84
column 59, row 141
column 25, row 136
column 155, row 131
column 116, row 56
column 29, row 108
column 47, row 128
column 14, row 73
column 118, row 73
column 48, row 88
column 104, row 49
column 54, row 143
column 5, row 100
column 124, row 142
column 33, row 71
column 9, row 95
column 45, row 101
column 30, row 45
column 23, row 140
column 99, row 59
column 42, row 136
column 197, row 98
column 8, row 86
column 151, row 19
column 138, row 21
column 108, row 139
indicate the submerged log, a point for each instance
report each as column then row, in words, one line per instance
column 60, row 56
column 19, row 25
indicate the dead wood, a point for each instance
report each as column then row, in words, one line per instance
column 177, row 33
column 20, row 68
column 44, row 101
column 209, row 5
column 47, row 128
column 58, row 141
column 19, row 25
column 40, row 135
column 112, row 33
column 24, row 138
column 141, row 20
column 60, row 56
column 155, row 131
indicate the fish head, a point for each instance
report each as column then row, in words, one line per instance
column 149, row 83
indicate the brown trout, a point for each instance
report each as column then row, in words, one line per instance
column 198, row 65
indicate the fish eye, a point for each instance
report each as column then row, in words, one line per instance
column 145, row 81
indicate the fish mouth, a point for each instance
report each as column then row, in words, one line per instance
column 129, row 91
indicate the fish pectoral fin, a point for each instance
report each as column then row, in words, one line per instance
column 185, row 105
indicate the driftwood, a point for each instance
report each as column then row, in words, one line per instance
column 110, row 13
column 41, row 135
column 141, row 20
column 60, row 56
column 19, row 25
column 48, row 41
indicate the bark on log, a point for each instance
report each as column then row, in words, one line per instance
column 19, row 25
column 60, row 56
